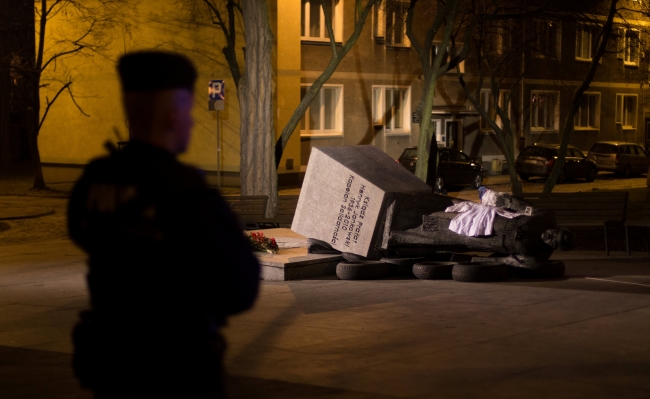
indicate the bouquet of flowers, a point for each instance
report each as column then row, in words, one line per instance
column 261, row 243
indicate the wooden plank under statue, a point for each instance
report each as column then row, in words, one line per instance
column 344, row 196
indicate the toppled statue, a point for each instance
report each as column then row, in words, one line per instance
column 518, row 233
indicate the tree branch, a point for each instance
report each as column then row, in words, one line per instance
column 313, row 90
column 49, row 103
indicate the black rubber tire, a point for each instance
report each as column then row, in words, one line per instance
column 369, row 270
column 477, row 181
column 350, row 257
column 524, row 177
column 433, row 270
column 317, row 250
column 593, row 172
column 480, row 271
column 315, row 246
column 401, row 266
column 535, row 265
column 561, row 177
column 316, row 241
column 549, row 269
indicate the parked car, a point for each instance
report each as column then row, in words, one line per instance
column 455, row 168
column 620, row 157
column 539, row 159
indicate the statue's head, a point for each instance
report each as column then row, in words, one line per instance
column 559, row 238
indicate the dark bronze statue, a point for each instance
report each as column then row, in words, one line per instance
column 417, row 224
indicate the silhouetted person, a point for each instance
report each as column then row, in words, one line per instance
column 168, row 262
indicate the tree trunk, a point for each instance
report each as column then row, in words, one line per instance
column 33, row 128
column 567, row 129
column 257, row 170
column 5, row 134
column 33, row 111
column 5, row 61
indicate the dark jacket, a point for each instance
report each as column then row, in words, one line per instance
column 168, row 262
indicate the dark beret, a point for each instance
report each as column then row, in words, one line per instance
column 156, row 70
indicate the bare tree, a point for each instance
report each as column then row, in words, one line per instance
column 434, row 65
column 226, row 16
column 254, row 84
column 499, row 43
column 338, row 53
column 602, row 40
column 257, row 167
column 496, row 113
column 82, row 31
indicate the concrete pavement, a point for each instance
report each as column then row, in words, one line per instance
column 582, row 336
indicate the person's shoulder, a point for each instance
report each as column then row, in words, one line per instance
column 100, row 165
column 189, row 176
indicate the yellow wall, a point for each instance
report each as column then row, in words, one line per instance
column 69, row 137
column 288, row 77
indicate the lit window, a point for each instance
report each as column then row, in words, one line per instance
column 588, row 116
column 547, row 35
column 445, row 58
column 631, row 55
column 391, row 107
column 325, row 114
column 487, row 103
column 544, row 110
column 626, row 110
column 313, row 25
column 389, row 22
column 584, row 42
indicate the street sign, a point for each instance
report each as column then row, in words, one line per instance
column 216, row 90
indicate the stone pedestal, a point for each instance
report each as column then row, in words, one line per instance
column 343, row 197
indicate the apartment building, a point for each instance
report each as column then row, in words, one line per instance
column 372, row 96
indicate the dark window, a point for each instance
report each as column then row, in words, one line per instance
column 410, row 153
column 535, row 151
column 462, row 157
column 603, row 148
column 578, row 153
column 445, row 156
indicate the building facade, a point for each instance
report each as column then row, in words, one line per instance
column 373, row 95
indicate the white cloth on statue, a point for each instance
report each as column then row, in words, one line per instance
column 474, row 219
column 490, row 197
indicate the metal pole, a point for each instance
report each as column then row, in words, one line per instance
column 218, row 150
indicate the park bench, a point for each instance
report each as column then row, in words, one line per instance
column 249, row 208
column 584, row 209
column 284, row 212
column 643, row 222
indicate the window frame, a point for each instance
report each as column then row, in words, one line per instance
column 545, row 43
column 620, row 116
column 379, row 108
column 597, row 111
column 337, row 28
column 434, row 51
column 581, row 29
column 338, row 131
column 555, row 127
column 627, row 48
column 380, row 25
column 483, row 126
